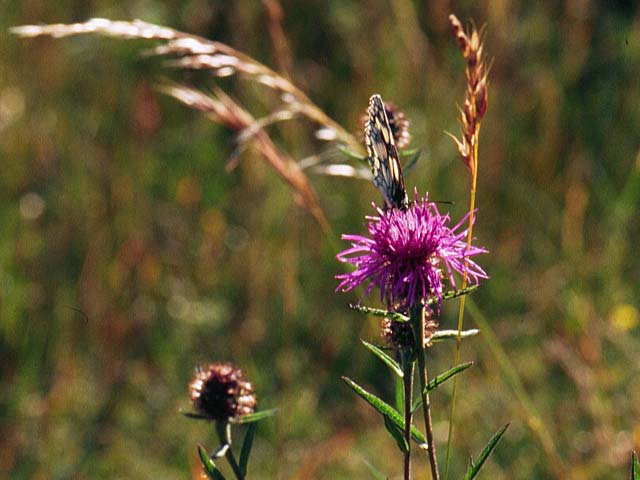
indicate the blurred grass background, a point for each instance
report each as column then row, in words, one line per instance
column 128, row 254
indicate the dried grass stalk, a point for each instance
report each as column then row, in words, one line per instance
column 223, row 109
column 197, row 53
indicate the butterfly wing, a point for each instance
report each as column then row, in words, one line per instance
column 383, row 156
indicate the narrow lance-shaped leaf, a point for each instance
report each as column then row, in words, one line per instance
column 415, row 155
column 386, row 410
column 439, row 380
column 194, row 415
column 351, row 154
column 399, row 395
column 396, row 434
column 399, row 317
column 385, row 358
column 209, row 466
column 635, row 467
column 474, row 469
column 453, row 294
column 453, row 334
column 377, row 312
column 409, row 152
column 247, row 443
column 254, row 417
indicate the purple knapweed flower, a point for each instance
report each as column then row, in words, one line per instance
column 408, row 255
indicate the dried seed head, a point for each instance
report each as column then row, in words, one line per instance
column 398, row 122
column 469, row 115
column 481, row 98
column 220, row 392
column 400, row 335
column 430, row 328
column 474, row 43
column 459, row 34
column 397, row 334
column 476, row 98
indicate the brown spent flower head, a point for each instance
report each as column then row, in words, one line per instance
column 476, row 97
column 398, row 122
column 220, row 392
column 399, row 335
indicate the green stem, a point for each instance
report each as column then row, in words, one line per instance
column 223, row 430
column 407, row 367
column 417, row 322
column 472, row 207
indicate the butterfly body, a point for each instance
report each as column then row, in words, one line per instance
column 383, row 156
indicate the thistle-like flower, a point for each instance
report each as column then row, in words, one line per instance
column 409, row 254
column 221, row 392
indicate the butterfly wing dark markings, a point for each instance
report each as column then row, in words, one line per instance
column 383, row 156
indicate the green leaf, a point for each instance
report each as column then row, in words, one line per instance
column 254, row 417
column 439, row 380
column 474, row 469
column 396, row 434
column 409, row 152
column 453, row 334
column 209, row 466
column 385, row 358
column 399, row 394
column 350, row 153
column 377, row 474
column 453, row 294
column 377, row 312
column 635, row 467
column 399, row 317
column 247, row 443
column 194, row 415
column 415, row 155
column 387, row 411
column 443, row 377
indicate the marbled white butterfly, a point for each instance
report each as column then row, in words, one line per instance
column 383, row 156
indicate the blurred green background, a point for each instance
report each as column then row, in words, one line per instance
column 128, row 254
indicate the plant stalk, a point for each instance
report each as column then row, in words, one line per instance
column 224, row 434
column 417, row 321
column 465, row 279
column 407, row 367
